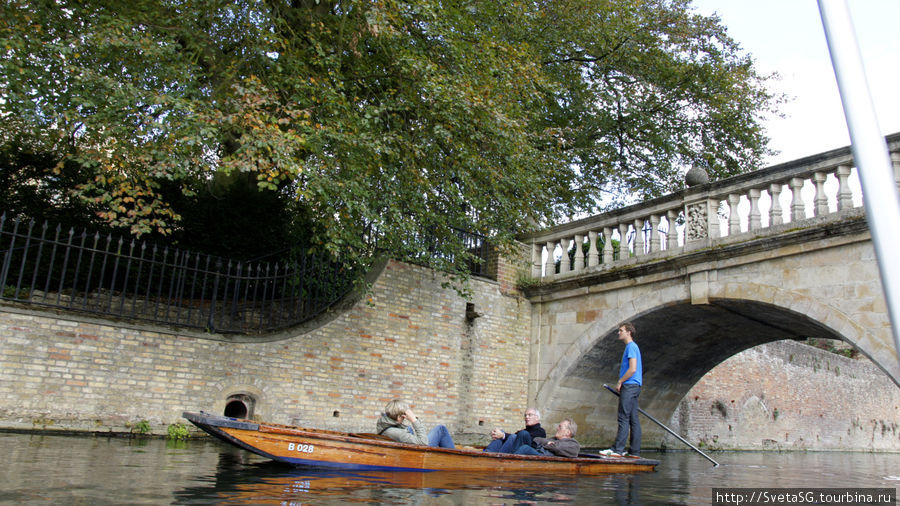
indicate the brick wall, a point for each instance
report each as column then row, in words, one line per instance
column 790, row 396
column 408, row 337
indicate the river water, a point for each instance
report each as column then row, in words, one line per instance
column 76, row 470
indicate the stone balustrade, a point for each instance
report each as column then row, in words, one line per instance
column 813, row 187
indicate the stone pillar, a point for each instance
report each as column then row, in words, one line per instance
column 821, row 200
column 638, row 237
column 775, row 215
column 755, row 220
column 895, row 161
column 672, row 234
column 845, row 196
column 579, row 253
column 607, row 245
column 623, row 241
column 565, row 264
column 654, row 233
column 536, row 251
column 550, row 265
column 593, row 254
column 734, row 219
column 798, row 211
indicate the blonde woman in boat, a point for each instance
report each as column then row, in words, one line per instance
column 392, row 424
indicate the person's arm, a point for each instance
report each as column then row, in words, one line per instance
column 402, row 435
column 498, row 433
column 632, row 368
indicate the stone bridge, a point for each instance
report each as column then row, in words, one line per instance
column 779, row 253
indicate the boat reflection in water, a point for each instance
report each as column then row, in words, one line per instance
column 272, row 483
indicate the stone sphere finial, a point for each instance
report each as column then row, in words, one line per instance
column 697, row 175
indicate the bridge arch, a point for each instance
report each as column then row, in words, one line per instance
column 681, row 341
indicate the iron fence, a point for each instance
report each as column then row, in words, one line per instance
column 126, row 278
column 121, row 277
column 477, row 245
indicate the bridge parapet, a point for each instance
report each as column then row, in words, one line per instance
column 700, row 216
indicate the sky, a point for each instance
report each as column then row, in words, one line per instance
column 786, row 36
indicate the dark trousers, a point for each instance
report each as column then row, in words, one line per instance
column 512, row 443
column 628, row 420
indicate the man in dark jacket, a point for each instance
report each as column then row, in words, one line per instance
column 507, row 443
column 563, row 444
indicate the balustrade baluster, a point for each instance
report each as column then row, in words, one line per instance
column 608, row 245
column 550, row 266
column 895, row 161
column 593, row 254
column 654, row 233
column 672, row 232
column 536, row 250
column 845, row 195
column 775, row 214
column 734, row 219
column 565, row 264
column 821, row 200
column 755, row 219
column 714, row 228
column 623, row 242
column 638, row 237
column 798, row 210
column 579, row 252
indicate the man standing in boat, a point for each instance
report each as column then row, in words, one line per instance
column 391, row 425
column 503, row 442
column 631, row 374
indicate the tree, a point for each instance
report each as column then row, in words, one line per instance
column 33, row 185
column 389, row 124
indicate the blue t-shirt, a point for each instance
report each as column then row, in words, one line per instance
column 632, row 351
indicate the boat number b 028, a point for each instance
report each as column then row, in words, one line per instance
column 303, row 448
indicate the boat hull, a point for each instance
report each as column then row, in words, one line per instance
column 368, row 452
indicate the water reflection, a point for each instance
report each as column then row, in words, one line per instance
column 99, row 471
column 237, row 482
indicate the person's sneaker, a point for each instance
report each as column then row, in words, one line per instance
column 610, row 453
column 631, row 456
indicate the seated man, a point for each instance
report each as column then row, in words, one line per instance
column 562, row 444
column 508, row 443
column 391, row 425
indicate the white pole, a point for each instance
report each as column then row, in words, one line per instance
column 869, row 152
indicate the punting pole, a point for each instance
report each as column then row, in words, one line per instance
column 672, row 432
column 869, row 152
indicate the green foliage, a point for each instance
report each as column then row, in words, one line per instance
column 524, row 281
column 377, row 126
column 143, row 427
column 36, row 185
column 178, row 432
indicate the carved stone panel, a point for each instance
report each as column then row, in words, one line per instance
column 696, row 222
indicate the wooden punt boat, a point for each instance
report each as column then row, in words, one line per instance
column 371, row 452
